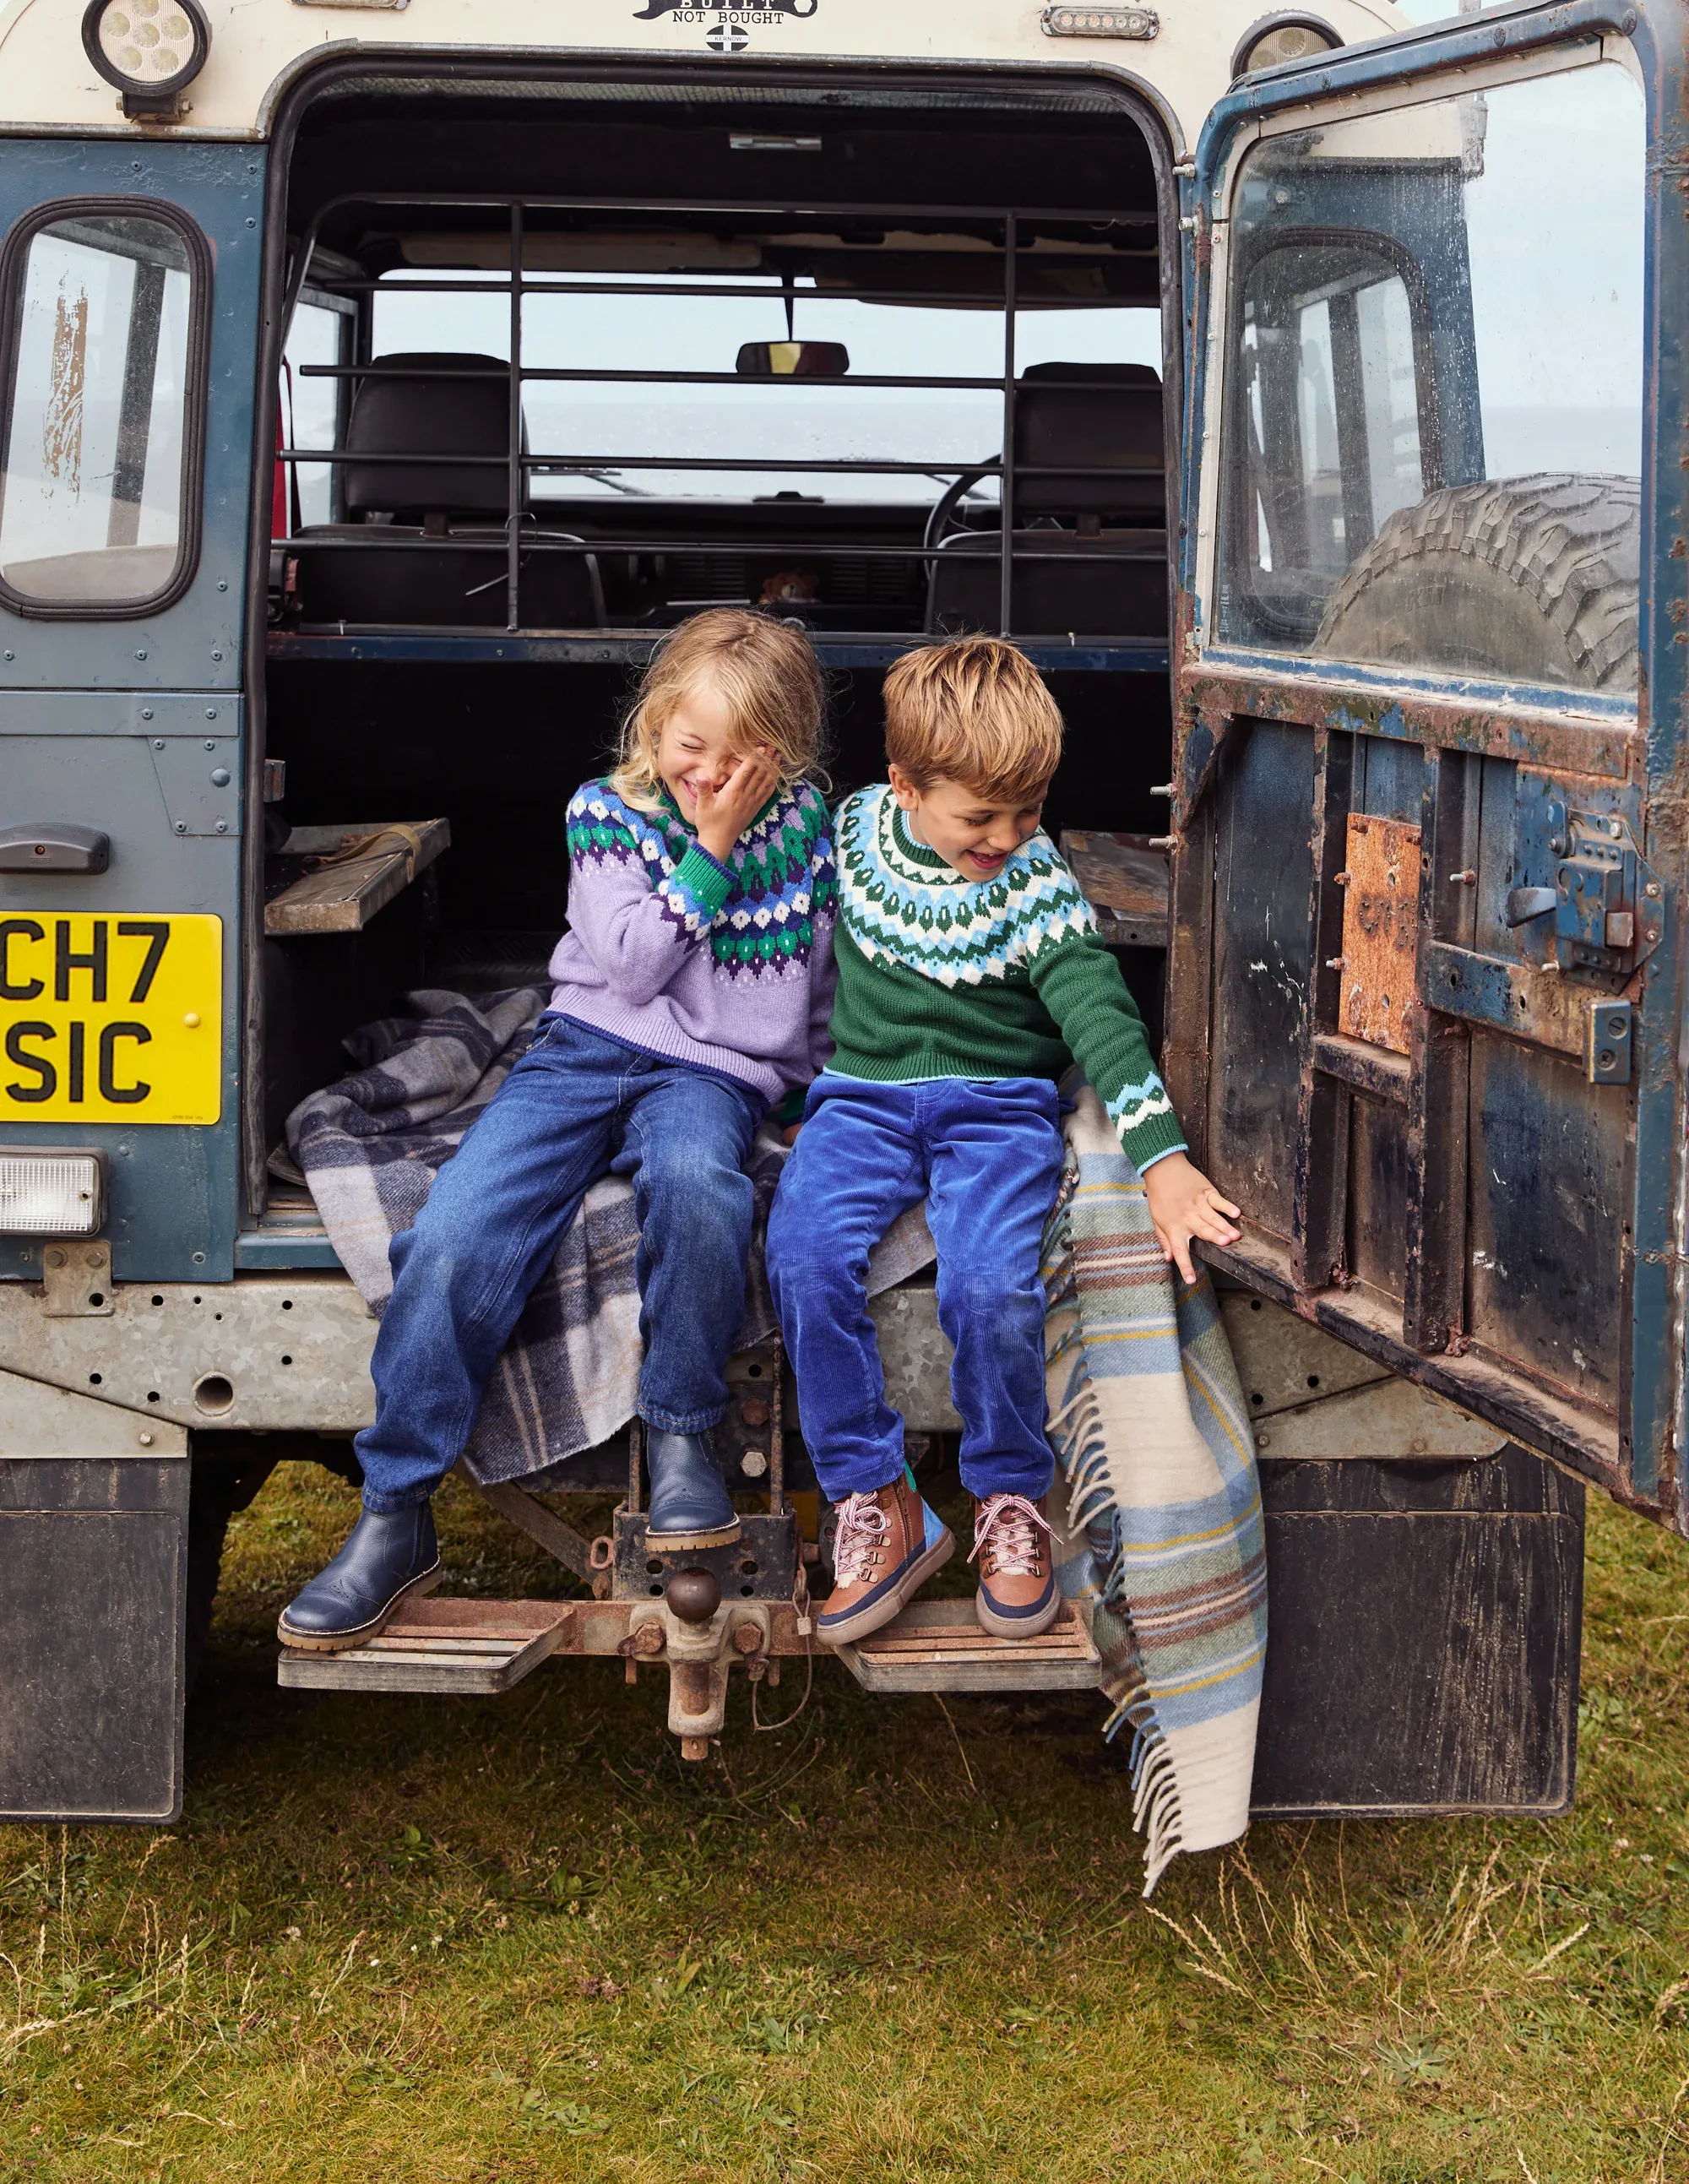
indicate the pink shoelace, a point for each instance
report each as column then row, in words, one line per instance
column 863, row 1524
column 1008, row 1525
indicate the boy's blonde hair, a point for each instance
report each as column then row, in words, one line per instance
column 766, row 672
column 974, row 711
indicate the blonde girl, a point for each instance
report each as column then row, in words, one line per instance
column 691, row 991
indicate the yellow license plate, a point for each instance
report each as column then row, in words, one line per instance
column 110, row 1018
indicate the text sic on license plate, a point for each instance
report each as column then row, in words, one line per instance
column 110, row 1018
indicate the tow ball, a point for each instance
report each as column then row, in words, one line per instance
column 699, row 1636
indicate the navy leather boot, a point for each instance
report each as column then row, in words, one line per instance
column 388, row 1555
column 690, row 1504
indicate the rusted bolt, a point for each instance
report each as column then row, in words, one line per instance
column 753, row 1410
column 1651, row 888
column 53, row 1256
column 648, row 1638
column 1468, row 878
column 695, row 1747
column 1335, row 962
column 97, row 1258
column 1340, row 879
column 747, row 1638
column 1163, row 841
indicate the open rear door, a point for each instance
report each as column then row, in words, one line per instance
column 1425, row 992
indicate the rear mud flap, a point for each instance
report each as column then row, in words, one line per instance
column 93, row 1586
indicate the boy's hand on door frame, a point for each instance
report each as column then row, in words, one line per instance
column 1182, row 1204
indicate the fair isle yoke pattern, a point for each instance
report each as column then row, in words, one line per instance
column 761, row 909
column 902, row 907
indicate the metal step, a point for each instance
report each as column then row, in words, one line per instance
column 938, row 1646
column 471, row 1646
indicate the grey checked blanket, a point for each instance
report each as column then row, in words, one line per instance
column 370, row 1147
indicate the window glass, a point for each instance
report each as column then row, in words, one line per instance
column 1434, row 429
column 91, row 501
column 780, row 420
column 311, row 409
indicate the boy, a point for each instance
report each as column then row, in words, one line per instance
column 970, row 973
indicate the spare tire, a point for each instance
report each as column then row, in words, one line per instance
column 1528, row 579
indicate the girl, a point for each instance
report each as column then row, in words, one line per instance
column 692, row 988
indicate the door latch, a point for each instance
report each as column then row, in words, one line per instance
column 1606, row 903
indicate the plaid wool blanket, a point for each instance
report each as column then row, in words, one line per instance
column 370, row 1147
column 1164, row 1536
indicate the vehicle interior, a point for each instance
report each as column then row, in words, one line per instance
column 827, row 353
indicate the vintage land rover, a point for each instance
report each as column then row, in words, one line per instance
column 379, row 379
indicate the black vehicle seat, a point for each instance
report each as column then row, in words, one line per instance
column 1112, row 421
column 383, row 579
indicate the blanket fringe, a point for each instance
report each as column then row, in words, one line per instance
column 1077, row 1433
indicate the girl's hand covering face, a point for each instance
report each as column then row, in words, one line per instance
column 724, row 813
column 1183, row 1204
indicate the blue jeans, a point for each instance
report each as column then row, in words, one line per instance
column 575, row 1105
column 987, row 1158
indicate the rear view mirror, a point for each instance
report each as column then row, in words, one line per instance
column 793, row 360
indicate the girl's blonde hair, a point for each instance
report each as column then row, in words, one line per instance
column 766, row 672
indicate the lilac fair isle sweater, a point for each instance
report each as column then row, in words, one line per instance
column 727, row 966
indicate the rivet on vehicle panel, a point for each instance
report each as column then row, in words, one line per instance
column 1651, row 888
column 220, row 776
column 11, row 655
column 181, row 826
column 140, row 655
column 158, row 743
column 222, row 825
column 211, row 712
column 146, row 1440
column 1651, row 934
column 222, row 586
column 192, row 1019
column 198, row 1261
column 216, row 655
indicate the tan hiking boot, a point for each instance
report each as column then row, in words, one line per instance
column 1017, row 1596
column 888, row 1544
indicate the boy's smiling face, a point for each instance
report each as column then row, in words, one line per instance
column 977, row 834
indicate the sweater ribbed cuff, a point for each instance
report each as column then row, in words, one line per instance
column 700, row 876
column 1152, row 1139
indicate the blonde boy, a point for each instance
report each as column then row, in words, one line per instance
column 970, row 974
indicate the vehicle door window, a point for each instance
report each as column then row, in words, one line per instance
column 312, row 409
column 98, row 500
column 1436, row 362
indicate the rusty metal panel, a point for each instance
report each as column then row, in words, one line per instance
column 1380, row 1180
column 1380, row 931
column 1546, row 1215
column 1263, row 886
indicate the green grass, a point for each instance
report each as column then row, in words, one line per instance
column 414, row 1940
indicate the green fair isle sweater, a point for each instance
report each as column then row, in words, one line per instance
column 942, row 976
